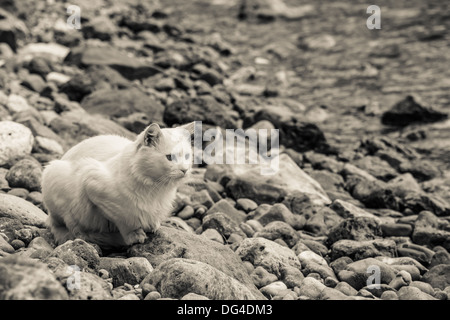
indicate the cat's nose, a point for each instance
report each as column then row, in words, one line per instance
column 184, row 171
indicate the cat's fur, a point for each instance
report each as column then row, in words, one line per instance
column 111, row 191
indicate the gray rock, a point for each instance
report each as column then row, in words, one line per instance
column 413, row 293
column 26, row 173
column 268, row 254
column 91, row 287
column 261, row 277
column 167, row 243
column 177, row 277
column 132, row 270
column 321, row 222
column 357, row 250
column 191, row 109
column 16, row 141
column 376, row 167
column 279, row 212
column 79, row 253
column 408, row 111
column 193, row 296
column 220, row 222
column 438, row 276
column 396, row 229
column 279, row 230
column 346, row 289
column 347, row 210
column 225, row 207
column 213, row 235
column 27, row 279
column 21, row 210
column 130, row 68
column 311, row 288
column 5, row 246
column 123, row 102
column 357, row 273
column 358, row 228
column 417, row 252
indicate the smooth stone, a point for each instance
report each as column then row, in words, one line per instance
column 16, row 141
column 21, row 210
column 413, row 293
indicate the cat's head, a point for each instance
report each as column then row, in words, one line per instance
column 164, row 155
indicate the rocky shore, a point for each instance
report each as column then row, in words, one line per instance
column 359, row 208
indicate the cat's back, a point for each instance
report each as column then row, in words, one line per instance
column 100, row 148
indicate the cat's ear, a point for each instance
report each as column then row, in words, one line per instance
column 152, row 135
column 189, row 127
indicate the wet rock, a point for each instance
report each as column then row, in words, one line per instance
column 205, row 107
column 412, row 293
column 169, row 243
column 358, row 228
column 26, row 173
column 438, row 276
column 279, row 230
column 21, row 210
column 16, row 141
column 268, row 254
column 120, row 103
column 357, row 250
column 177, row 277
column 78, row 253
column 131, row 270
column 27, row 279
column 408, row 111
column 130, row 68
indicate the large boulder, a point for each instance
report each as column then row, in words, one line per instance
column 28, row 279
column 167, row 243
column 177, row 277
column 22, row 211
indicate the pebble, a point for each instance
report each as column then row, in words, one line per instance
column 273, row 289
column 389, row 295
column 213, row 234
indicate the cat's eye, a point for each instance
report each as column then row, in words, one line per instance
column 170, row 157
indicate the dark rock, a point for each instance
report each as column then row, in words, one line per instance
column 40, row 282
column 358, row 228
column 252, row 187
column 135, row 122
column 119, row 103
column 418, row 202
column 430, row 230
column 177, row 277
column 408, row 111
column 130, row 68
column 358, row 250
column 396, row 229
column 40, row 65
column 205, row 108
column 374, row 194
column 93, row 78
column 169, row 243
column 100, row 27
column 12, row 29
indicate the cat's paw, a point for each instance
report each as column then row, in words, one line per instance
column 135, row 236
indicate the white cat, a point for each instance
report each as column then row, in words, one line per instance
column 111, row 191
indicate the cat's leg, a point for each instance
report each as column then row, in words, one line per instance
column 110, row 207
